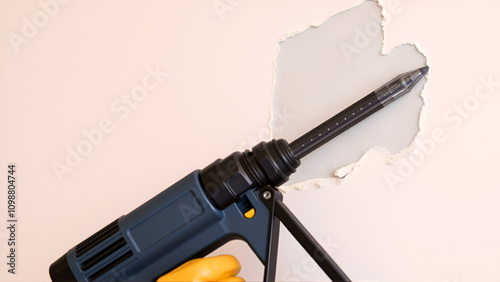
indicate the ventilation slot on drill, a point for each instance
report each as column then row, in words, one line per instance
column 97, row 238
column 111, row 265
column 103, row 254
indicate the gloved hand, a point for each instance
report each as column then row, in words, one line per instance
column 219, row 268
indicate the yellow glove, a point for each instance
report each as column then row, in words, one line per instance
column 219, row 268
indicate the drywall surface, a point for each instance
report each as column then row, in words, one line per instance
column 324, row 69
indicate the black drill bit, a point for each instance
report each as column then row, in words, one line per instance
column 358, row 111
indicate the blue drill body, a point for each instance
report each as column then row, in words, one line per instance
column 178, row 224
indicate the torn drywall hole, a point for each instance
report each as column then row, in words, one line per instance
column 323, row 70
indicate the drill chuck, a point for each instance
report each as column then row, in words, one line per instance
column 268, row 163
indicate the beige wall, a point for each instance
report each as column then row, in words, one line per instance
column 73, row 67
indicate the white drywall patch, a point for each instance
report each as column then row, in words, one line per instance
column 326, row 68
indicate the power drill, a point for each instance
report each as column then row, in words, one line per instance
column 229, row 199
